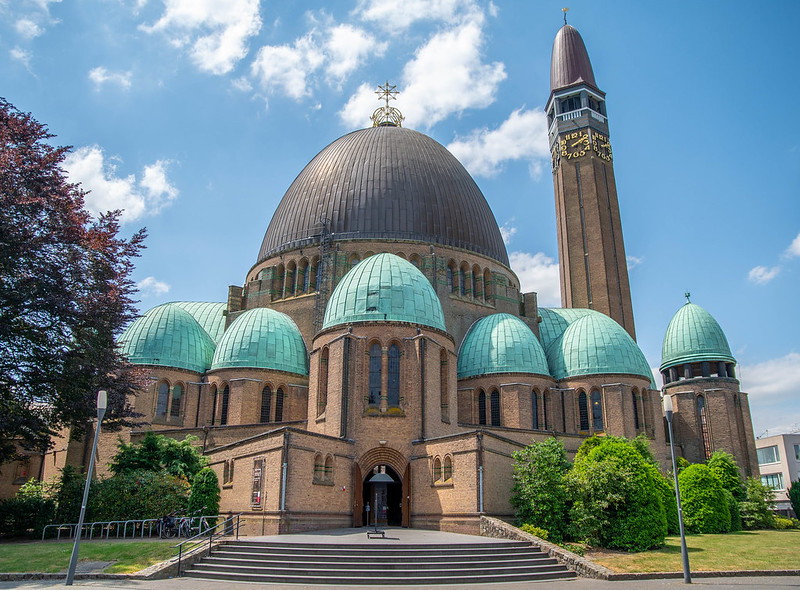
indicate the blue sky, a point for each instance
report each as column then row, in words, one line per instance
column 196, row 115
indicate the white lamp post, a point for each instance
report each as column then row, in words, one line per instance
column 102, row 403
column 668, row 410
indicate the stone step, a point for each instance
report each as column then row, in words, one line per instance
column 397, row 550
column 379, row 543
column 486, row 562
column 358, row 559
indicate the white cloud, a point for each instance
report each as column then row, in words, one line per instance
column 794, row 248
column 398, row 15
column 31, row 18
column 89, row 167
column 287, row 68
column 762, row 274
column 101, row 75
column 27, row 28
column 538, row 272
column 522, row 136
column 633, row 261
column 347, row 48
column 445, row 76
column 150, row 286
column 507, row 231
column 217, row 31
column 22, row 56
column 772, row 386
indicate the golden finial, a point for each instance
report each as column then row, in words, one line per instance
column 565, row 11
column 387, row 116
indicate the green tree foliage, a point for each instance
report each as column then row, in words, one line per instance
column 65, row 294
column 204, row 497
column 794, row 497
column 724, row 466
column 705, row 506
column 756, row 508
column 27, row 513
column 137, row 495
column 156, row 452
column 539, row 495
column 666, row 489
column 68, row 495
column 733, row 509
column 617, row 500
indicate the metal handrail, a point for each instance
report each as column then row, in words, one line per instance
column 228, row 527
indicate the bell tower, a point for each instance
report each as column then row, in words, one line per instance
column 591, row 252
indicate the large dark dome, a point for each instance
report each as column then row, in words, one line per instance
column 385, row 183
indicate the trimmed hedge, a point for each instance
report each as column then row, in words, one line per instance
column 705, row 505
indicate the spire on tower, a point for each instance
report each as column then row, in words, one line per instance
column 570, row 63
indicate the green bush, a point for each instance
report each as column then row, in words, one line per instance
column 204, row 497
column 574, row 548
column 136, row 495
column 724, row 466
column 68, row 494
column 705, row 506
column 794, row 497
column 156, row 452
column 785, row 523
column 617, row 501
column 535, row 531
column 733, row 509
column 539, row 494
column 756, row 508
column 666, row 489
column 27, row 513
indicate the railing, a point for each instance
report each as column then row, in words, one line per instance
column 229, row 526
column 121, row 528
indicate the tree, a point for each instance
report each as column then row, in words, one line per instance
column 158, row 453
column 137, row 495
column 539, row 494
column 204, row 497
column 794, row 497
column 756, row 508
column 705, row 505
column 65, row 295
column 724, row 467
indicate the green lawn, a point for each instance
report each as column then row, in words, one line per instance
column 747, row 550
column 52, row 557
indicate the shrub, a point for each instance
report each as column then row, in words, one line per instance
column 156, row 452
column 617, row 502
column 724, row 466
column 794, row 497
column 666, row 489
column 756, row 508
column 574, row 548
column 68, row 493
column 137, row 495
column 27, row 513
column 539, row 494
column 785, row 523
column 705, row 506
column 535, row 531
column 733, row 509
column 204, row 497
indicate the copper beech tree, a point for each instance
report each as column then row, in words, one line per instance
column 65, row 294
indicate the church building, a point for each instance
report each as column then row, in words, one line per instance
column 380, row 353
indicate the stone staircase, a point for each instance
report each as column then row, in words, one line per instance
column 378, row 563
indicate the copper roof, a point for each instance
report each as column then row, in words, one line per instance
column 385, row 183
column 570, row 63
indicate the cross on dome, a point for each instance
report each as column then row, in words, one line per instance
column 387, row 116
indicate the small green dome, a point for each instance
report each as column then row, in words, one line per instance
column 557, row 319
column 594, row 345
column 693, row 336
column 262, row 338
column 384, row 287
column 169, row 336
column 210, row 315
column 500, row 343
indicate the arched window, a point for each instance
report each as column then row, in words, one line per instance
column 495, row 401
column 437, row 469
column 452, row 277
column 635, row 409
column 444, row 393
column 214, row 401
column 280, row 273
column 597, row 411
column 291, row 272
column 354, row 259
column 474, row 281
column 416, row 260
column 177, row 395
column 447, row 468
column 317, row 274
column 462, row 279
column 163, row 399
column 394, row 376
column 328, row 473
column 546, row 408
column 703, row 420
column 266, row 404
column 374, row 374
column 583, row 412
column 481, row 407
column 279, row 405
column 535, row 409
column 322, row 390
column 319, row 468
column 226, row 398
column 477, row 280
column 302, row 276
column 488, row 292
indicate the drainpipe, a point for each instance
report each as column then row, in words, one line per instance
column 345, row 387
column 284, row 471
column 480, row 472
column 422, row 345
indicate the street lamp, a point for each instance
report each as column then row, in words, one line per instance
column 668, row 410
column 102, row 403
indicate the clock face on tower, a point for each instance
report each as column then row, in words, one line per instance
column 601, row 146
column 574, row 145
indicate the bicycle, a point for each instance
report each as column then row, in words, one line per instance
column 167, row 528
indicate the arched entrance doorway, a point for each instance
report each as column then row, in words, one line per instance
column 383, row 492
column 397, row 492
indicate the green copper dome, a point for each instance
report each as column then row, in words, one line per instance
column 384, row 287
column 262, row 338
column 557, row 319
column 169, row 336
column 694, row 336
column 500, row 343
column 210, row 315
column 594, row 345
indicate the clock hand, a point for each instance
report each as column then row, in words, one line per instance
column 581, row 140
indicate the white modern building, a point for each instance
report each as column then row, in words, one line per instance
column 779, row 464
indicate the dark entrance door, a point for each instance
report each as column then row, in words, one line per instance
column 384, row 496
